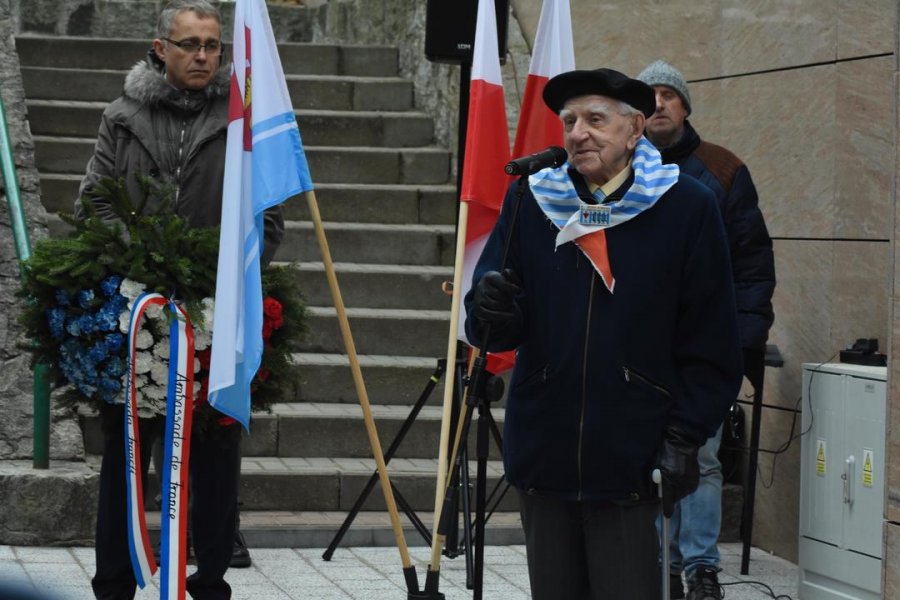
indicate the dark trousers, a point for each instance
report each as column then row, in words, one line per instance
column 214, row 462
column 591, row 550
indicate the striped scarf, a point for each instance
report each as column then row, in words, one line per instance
column 557, row 198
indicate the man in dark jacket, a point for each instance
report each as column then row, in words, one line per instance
column 698, row 517
column 617, row 298
column 170, row 125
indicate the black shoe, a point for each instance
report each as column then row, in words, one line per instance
column 676, row 587
column 240, row 555
column 703, row 584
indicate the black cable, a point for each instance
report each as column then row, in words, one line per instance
column 787, row 444
column 767, row 589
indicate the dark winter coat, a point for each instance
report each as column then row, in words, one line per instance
column 176, row 137
column 599, row 376
column 752, row 260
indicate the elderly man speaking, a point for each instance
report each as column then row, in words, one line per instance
column 617, row 295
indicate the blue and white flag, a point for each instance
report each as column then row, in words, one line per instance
column 264, row 166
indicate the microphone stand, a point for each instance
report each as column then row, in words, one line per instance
column 482, row 388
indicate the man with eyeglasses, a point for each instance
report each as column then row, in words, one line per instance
column 170, row 125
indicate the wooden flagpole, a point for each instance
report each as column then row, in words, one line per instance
column 437, row 541
column 358, row 381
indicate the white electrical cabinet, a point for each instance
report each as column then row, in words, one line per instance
column 842, row 481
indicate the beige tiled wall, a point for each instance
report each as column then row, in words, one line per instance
column 804, row 92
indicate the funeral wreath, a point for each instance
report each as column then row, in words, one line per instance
column 80, row 291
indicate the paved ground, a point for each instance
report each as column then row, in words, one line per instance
column 357, row 574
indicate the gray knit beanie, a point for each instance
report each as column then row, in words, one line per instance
column 662, row 73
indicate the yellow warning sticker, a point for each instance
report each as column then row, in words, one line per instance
column 820, row 457
column 867, row 477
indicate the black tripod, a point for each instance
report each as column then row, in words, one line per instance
column 483, row 388
column 460, row 482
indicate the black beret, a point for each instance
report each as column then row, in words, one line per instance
column 603, row 82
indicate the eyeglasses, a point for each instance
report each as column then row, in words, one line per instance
column 212, row 48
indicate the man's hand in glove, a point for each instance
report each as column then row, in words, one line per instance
column 679, row 467
column 494, row 298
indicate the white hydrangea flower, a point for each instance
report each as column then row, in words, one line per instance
column 155, row 312
column 143, row 340
column 159, row 372
column 161, row 348
column 155, row 392
column 142, row 362
column 196, row 364
column 124, row 320
column 202, row 340
column 131, row 290
column 209, row 309
column 145, row 411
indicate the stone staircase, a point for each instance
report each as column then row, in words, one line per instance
column 385, row 193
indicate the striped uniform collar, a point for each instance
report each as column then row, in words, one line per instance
column 557, row 198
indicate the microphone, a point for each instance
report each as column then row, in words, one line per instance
column 553, row 156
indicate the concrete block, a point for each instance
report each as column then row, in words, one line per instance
column 47, row 507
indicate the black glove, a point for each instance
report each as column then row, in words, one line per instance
column 679, row 467
column 494, row 299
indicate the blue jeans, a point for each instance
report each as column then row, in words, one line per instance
column 694, row 528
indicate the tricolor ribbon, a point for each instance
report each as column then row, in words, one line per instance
column 179, row 405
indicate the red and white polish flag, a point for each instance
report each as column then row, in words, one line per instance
column 553, row 54
column 487, row 151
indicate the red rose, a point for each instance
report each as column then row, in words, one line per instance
column 272, row 308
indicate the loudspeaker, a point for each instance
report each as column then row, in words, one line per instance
column 450, row 30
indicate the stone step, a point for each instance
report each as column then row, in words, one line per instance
column 334, row 484
column 380, row 203
column 371, row 243
column 327, row 164
column 358, row 203
column 394, row 332
column 317, row 127
column 120, row 54
column 317, row 529
column 378, row 286
column 321, row 430
column 307, row 91
column 389, row 380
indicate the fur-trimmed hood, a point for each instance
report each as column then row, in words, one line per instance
column 146, row 84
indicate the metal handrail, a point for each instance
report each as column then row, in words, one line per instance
column 41, row 437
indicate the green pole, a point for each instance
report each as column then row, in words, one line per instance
column 41, row 437
column 41, row 441
column 10, row 181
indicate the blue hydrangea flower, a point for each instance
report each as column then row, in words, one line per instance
column 85, row 298
column 87, row 324
column 110, row 285
column 62, row 298
column 107, row 318
column 98, row 351
column 56, row 319
column 73, row 326
column 115, row 367
column 114, row 341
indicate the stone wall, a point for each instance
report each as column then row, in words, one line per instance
column 16, row 383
